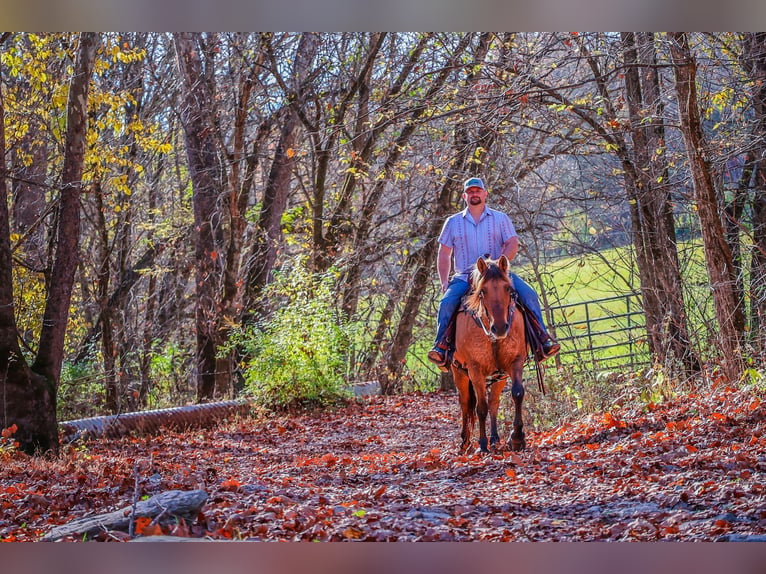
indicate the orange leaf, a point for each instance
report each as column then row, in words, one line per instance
column 510, row 473
column 7, row 432
column 231, row 485
column 142, row 523
column 290, row 152
column 353, row 532
column 612, row 421
column 691, row 448
column 329, row 459
column 718, row 416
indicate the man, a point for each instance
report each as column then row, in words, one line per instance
column 477, row 231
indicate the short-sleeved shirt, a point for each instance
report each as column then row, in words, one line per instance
column 470, row 240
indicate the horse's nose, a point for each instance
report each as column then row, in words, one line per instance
column 500, row 330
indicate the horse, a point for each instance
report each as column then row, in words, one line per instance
column 489, row 341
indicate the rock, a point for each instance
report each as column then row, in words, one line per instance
column 741, row 538
column 367, row 389
column 170, row 505
column 164, row 538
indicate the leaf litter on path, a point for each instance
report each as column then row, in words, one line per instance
column 388, row 469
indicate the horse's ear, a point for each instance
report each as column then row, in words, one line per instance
column 503, row 263
column 481, row 265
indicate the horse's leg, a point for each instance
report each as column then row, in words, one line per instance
column 467, row 407
column 479, row 381
column 517, row 392
column 494, row 405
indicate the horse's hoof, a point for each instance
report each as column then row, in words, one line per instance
column 483, row 445
column 518, row 445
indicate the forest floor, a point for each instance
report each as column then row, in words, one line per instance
column 388, row 469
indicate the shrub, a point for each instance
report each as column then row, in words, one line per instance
column 297, row 357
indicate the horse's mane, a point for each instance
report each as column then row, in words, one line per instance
column 473, row 300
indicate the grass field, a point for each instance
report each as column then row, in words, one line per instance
column 594, row 308
column 595, row 305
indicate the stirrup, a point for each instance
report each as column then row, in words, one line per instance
column 438, row 357
column 554, row 348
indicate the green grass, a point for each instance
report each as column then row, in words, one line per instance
column 604, row 288
column 605, row 350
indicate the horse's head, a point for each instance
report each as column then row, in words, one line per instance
column 492, row 295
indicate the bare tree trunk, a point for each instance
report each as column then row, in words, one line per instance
column 29, row 198
column 269, row 233
column 204, row 168
column 653, row 223
column 754, row 62
column 103, row 274
column 28, row 395
column 729, row 313
column 26, row 399
column 28, row 189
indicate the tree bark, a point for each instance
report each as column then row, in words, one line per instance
column 729, row 313
column 269, row 232
column 754, row 62
column 28, row 397
column 207, row 183
column 653, row 225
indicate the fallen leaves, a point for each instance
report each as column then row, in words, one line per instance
column 389, row 470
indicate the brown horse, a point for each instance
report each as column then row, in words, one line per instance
column 489, row 341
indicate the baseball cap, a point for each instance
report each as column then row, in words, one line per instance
column 473, row 182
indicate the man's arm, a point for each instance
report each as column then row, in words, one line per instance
column 444, row 265
column 511, row 247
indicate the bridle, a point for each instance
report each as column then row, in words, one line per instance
column 483, row 311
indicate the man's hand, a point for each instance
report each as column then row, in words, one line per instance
column 511, row 247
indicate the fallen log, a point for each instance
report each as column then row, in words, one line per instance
column 150, row 422
column 166, row 508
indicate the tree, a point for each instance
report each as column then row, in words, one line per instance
column 646, row 182
column 208, row 183
column 268, row 236
column 28, row 398
column 420, row 273
column 754, row 62
column 720, row 267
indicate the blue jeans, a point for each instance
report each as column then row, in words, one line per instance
column 457, row 288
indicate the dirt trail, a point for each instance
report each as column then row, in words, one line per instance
column 388, row 470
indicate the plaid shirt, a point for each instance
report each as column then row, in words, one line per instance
column 470, row 240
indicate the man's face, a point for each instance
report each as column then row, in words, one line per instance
column 475, row 195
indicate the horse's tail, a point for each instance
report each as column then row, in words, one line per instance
column 471, row 405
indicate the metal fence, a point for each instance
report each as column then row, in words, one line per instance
column 604, row 334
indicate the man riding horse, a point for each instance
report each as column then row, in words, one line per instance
column 479, row 231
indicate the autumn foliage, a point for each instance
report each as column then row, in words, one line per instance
column 388, row 469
